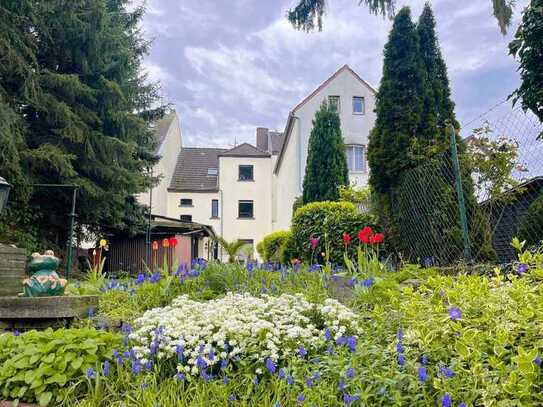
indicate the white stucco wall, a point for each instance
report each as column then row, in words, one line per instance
column 259, row 191
column 168, row 152
column 200, row 209
column 355, row 129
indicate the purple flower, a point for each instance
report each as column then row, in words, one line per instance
column 455, row 313
column 349, row 399
column 302, row 352
column 399, row 347
column 368, row 282
column 270, row 366
column 350, row 373
column 317, row 376
column 211, row 355
column 423, row 375
column 232, row 397
column 225, row 380
column 136, row 367
column 537, row 360
column 180, row 377
column 290, row 380
column 341, row 385
column 281, row 373
column 424, row 360
column 141, row 279
column 255, row 381
column 399, row 335
column 90, row 312
column 351, row 343
column 300, row 398
column 16, row 333
column 180, row 352
column 105, row 369
column 148, row 365
column 447, row 372
column 309, row 382
column 462, row 404
column 327, row 334
column 90, row 373
column 446, row 401
column 201, row 363
column 331, row 349
column 314, row 241
column 401, row 359
column 522, row 268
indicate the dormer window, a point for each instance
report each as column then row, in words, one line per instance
column 334, row 102
column 246, row 173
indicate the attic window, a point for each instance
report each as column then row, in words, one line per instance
column 212, row 171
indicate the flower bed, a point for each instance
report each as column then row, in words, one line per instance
column 202, row 336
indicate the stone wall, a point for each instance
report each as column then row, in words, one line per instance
column 12, row 270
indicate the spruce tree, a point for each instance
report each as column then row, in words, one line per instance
column 326, row 169
column 399, row 105
column 82, row 112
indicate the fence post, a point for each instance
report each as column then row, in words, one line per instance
column 460, row 195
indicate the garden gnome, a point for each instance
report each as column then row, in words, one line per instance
column 45, row 281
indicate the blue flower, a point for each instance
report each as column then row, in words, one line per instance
column 16, row 333
column 537, row 360
column 455, row 313
column 327, row 334
column 180, row 377
column 522, row 268
column 136, row 367
column 399, row 334
column 401, row 359
column 341, row 385
column 349, row 399
column 281, row 373
column 462, row 404
column 255, row 381
column 290, row 380
column 423, row 375
column 225, row 380
column 201, row 363
column 368, row 282
column 205, row 375
column 424, row 360
column 331, row 349
column 350, row 373
column 447, row 372
column 105, row 369
column 446, row 401
column 351, row 343
column 90, row 373
column 399, row 347
column 270, row 366
column 317, row 376
column 148, row 365
column 309, row 382
column 90, row 312
column 224, row 363
column 180, row 352
column 211, row 355
column 232, row 397
column 300, row 398
column 302, row 352
column 141, row 279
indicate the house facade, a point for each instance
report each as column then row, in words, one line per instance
column 248, row 191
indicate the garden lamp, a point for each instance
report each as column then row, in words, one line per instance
column 4, row 192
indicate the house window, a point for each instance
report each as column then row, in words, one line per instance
column 355, row 158
column 246, row 173
column 245, row 209
column 214, row 208
column 185, row 202
column 185, row 218
column 359, row 105
column 334, row 102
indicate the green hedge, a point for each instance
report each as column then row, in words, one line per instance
column 531, row 226
column 327, row 221
column 269, row 247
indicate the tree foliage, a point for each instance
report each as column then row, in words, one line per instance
column 399, row 105
column 77, row 109
column 326, row 168
column 527, row 47
column 308, row 14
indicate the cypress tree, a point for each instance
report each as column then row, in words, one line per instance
column 399, row 105
column 326, row 168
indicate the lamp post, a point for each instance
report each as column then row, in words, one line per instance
column 4, row 193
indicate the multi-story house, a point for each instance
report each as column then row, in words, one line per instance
column 248, row 191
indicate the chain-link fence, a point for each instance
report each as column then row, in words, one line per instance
column 468, row 206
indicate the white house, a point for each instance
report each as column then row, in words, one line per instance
column 355, row 100
column 248, row 191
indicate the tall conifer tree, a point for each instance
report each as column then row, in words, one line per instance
column 399, row 105
column 326, row 168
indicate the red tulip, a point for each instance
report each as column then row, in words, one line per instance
column 346, row 239
column 314, row 242
column 365, row 234
column 173, row 241
column 165, row 243
column 377, row 238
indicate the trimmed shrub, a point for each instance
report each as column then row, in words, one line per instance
column 288, row 251
column 269, row 247
column 326, row 221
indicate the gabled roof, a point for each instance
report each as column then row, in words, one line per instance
column 162, row 126
column 244, row 150
column 191, row 170
column 291, row 115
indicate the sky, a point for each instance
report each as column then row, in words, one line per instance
column 229, row 66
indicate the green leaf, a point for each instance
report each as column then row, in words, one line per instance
column 76, row 363
column 45, row 398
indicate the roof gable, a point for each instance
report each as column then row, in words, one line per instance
column 244, row 150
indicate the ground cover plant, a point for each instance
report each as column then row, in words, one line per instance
column 265, row 334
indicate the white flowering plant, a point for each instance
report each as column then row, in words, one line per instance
column 239, row 329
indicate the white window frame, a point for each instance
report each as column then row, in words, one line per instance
column 363, row 105
column 352, row 147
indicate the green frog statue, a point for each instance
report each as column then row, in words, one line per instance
column 44, row 282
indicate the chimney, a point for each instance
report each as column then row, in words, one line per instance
column 262, row 138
